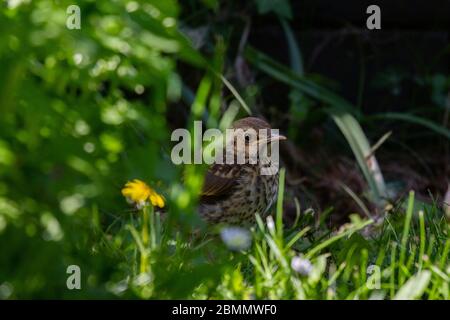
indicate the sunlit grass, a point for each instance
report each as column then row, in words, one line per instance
column 406, row 257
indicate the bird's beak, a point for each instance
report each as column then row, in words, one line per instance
column 276, row 137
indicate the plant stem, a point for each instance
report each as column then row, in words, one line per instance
column 145, row 236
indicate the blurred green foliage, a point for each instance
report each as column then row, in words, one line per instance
column 81, row 111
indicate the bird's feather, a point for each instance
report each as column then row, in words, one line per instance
column 219, row 182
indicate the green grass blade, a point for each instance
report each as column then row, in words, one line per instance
column 235, row 93
column 416, row 120
column 297, row 236
column 331, row 240
column 405, row 235
column 287, row 76
column 279, row 218
column 298, row 109
column 295, row 55
column 392, row 267
column 422, row 239
column 360, row 146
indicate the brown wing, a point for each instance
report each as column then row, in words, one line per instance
column 220, row 181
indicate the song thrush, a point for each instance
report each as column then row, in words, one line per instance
column 234, row 193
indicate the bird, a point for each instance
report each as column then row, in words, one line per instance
column 233, row 193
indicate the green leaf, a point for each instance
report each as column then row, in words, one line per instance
column 416, row 120
column 295, row 55
column 414, row 287
column 352, row 228
column 279, row 216
column 299, row 106
column 279, row 7
column 284, row 74
column 362, row 150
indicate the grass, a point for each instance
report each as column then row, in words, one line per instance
column 404, row 257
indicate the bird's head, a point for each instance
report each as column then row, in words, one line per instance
column 251, row 135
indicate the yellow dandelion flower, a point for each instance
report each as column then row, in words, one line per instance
column 140, row 193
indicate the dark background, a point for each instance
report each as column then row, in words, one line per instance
column 414, row 38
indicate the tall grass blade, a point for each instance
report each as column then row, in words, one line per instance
column 360, row 146
column 295, row 55
column 287, row 76
column 329, row 241
column 405, row 235
column 297, row 108
column 279, row 218
column 416, row 120
column 235, row 93
column 422, row 238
